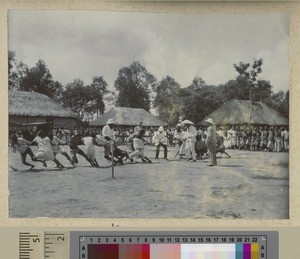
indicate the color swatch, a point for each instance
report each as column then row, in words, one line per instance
column 174, row 251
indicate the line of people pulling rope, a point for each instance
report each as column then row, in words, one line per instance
column 50, row 145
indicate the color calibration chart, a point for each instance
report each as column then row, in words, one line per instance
column 174, row 245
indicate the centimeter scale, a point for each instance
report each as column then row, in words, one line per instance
column 148, row 245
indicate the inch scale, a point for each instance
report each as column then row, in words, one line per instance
column 96, row 244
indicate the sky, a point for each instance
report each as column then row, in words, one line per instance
column 84, row 44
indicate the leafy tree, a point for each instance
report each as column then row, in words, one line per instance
column 250, row 74
column 236, row 89
column 12, row 75
column 16, row 71
column 280, row 102
column 39, row 79
column 96, row 94
column 198, row 100
column 239, row 89
column 134, row 85
column 58, row 94
column 196, row 107
column 167, row 100
column 197, row 84
column 85, row 101
column 252, row 80
column 263, row 91
column 74, row 97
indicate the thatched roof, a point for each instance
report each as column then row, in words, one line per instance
column 23, row 103
column 238, row 112
column 128, row 117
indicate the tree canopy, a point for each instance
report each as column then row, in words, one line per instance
column 39, row 79
column 135, row 87
column 85, row 101
column 134, row 84
column 167, row 100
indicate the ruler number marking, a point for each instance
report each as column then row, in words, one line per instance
column 61, row 238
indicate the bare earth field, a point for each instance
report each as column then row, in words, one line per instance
column 249, row 185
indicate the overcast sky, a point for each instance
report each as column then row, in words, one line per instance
column 84, row 44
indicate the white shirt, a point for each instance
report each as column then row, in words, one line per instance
column 107, row 131
column 191, row 131
column 159, row 137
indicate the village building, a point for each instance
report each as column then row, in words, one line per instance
column 30, row 109
column 242, row 112
column 125, row 116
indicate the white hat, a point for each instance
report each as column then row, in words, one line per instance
column 111, row 121
column 209, row 120
column 178, row 125
column 161, row 128
column 187, row 122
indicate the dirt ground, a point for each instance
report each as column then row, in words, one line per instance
column 249, row 185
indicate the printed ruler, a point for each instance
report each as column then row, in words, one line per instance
column 156, row 245
column 38, row 245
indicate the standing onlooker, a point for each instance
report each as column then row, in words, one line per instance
column 211, row 142
column 233, row 138
column 263, row 139
column 191, row 139
column 178, row 136
column 277, row 136
column 160, row 140
column 270, row 144
column 285, row 136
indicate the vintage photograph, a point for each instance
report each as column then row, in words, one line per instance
column 148, row 115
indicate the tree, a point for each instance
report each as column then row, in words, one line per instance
column 134, row 85
column 239, row 89
column 39, row 79
column 16, row 71
column 263, row 91
column 251, row 78
column 280, row 102
column 12, row 75
column 250, row 74
column 197, row 84
column 57, row 95
column 96, row 94
column 74, row 97
column 85, row 101
column 199, row 99
column 197, row 106
column 167, row 100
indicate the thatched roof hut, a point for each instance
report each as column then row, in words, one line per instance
column 237, row 112
column 128, row 117
column 32, row 107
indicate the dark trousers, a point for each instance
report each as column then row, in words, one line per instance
column 78, row 151
column 165, row 150
column 28, row 151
